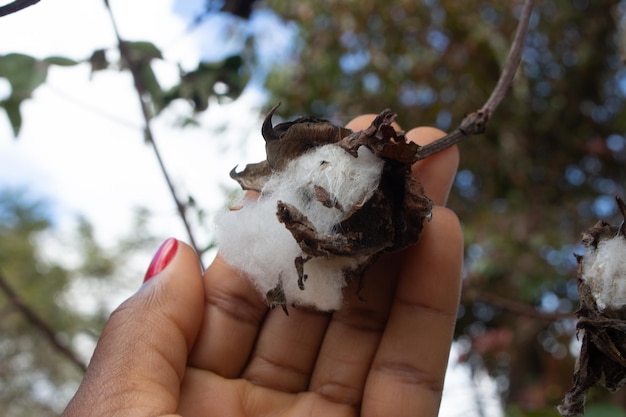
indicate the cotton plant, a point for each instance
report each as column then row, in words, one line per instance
column 322, row 207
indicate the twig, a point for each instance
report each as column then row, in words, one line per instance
column 475, row 123
column 514, row 306
column 16, row 6
column 40, row 324
column 147, row 117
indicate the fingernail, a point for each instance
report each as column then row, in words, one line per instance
column 162, row 258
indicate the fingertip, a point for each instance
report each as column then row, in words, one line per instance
column 360, row 122
column 437, row 172
column 363, row 121
column 176, row 291
column 423, row 135
column 162, row 258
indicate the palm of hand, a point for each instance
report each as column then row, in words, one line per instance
column 210, row 347
column 382, row 357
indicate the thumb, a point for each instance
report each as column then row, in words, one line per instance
column 141, row 356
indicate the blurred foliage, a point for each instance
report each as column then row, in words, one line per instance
column 28, row 363
column 24, row 74
column 224, row 79
column 546, row 170
column 208, row 79
column 35, row 378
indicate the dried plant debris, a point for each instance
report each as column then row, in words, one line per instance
column 602, row 314
column 329, row 201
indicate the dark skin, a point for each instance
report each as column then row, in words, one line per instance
column 207, row 345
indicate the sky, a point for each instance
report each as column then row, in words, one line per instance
column 81, row 146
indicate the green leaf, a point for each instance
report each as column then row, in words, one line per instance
column 24, row 73
column 60, row 61
column 12, row 108
column 98, row 60
column 198, row 85
column 143, row 51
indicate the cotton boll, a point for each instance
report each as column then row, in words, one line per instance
column 330, row 202
column 254, row 241
column 323, row 287
column 602, row 313
column 348, row 180
column 604, row 271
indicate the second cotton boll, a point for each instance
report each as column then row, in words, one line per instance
column 253, row 239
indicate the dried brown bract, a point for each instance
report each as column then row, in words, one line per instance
column 602, row 314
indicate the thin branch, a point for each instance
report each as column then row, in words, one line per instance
column 513, row 306
column 16, row 6
column 476, row 123
column 40, row 324
column 147, row 117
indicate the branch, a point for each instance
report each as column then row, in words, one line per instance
column 40, row 324
column 514, row 306
column 476, row 123
column 16, row 6
column 149, row 136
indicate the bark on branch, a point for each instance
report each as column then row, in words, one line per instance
column 513, row 306
column 149, row 136
column 16, row 6
column 40, row 324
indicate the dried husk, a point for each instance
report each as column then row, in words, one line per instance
column 390, row 220
column 602, row 359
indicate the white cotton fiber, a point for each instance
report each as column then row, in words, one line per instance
column 604, row 271
column 254, row 241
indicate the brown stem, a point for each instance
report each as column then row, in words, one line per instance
column 622, row 208
column 16, row 6
column 475, row 123
column 40, row 324
column 513, row 306
column 149, row 136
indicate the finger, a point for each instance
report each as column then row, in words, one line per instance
column 207, row 394
column 363, row 121
column 353, row 335
column 436, row 173
column 140, row 359
column 408, row 370
column 233, row 313
column 286, row 349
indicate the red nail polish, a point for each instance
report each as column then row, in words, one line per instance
column 162, row 258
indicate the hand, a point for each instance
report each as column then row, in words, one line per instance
column 208, row 346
